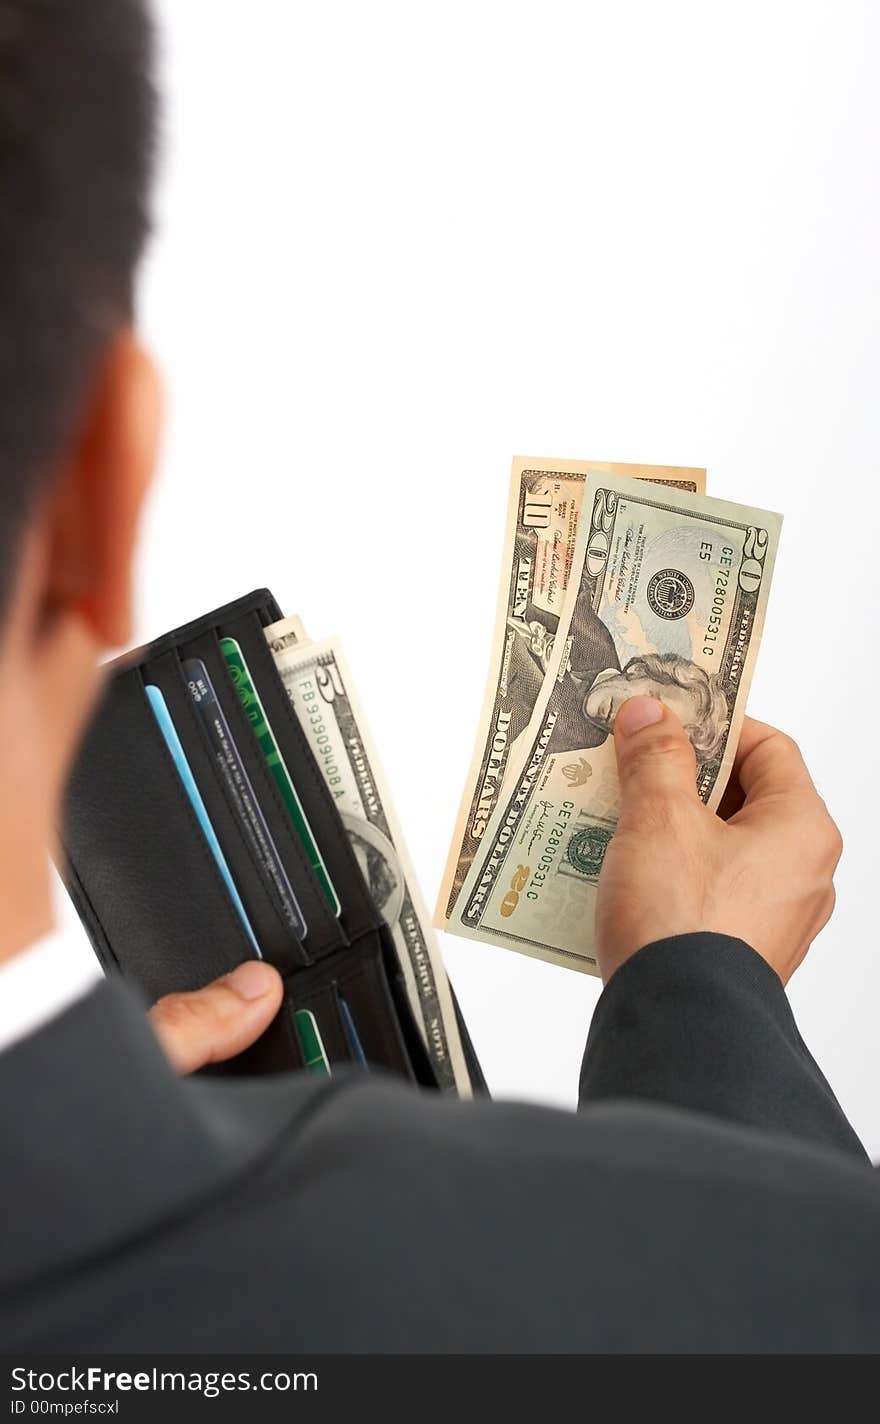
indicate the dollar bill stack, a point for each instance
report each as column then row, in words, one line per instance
column 664, row 594
column 543, row 510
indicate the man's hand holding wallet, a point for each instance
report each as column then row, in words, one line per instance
column 199, row 833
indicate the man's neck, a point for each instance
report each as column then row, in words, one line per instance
column 25, row 901
column 33, row 709
column 49, row 656
column 26, row 911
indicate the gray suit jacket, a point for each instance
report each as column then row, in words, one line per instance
column 709, row 1195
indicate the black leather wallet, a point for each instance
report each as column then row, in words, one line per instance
column 149, row 890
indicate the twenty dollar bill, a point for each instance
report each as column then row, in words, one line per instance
column 542, row 524
column 667, row 597
column 320, row 687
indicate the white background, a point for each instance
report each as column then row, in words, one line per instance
column 398, row 243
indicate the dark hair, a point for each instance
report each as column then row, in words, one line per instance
column 77, row 110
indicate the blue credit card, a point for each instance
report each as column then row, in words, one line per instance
column 351, row 1034
column 184, row 771
column 241, row 792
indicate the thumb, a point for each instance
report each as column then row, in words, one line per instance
column 654, row 754
column 217, row 1022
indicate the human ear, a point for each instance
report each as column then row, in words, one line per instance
column 93, row 510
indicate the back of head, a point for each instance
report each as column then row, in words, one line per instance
column 76, row 139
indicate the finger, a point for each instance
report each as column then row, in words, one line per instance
column 654, row 754
column 214, row 1023
column 769, row 763
column 734, row 796
column 753, row 733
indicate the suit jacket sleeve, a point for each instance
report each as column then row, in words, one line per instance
column 701, row 1021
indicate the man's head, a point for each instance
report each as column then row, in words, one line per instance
column 692, row 694
column 79, row 406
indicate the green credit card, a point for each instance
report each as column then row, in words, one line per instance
column 250, row 701
column 310, row 1041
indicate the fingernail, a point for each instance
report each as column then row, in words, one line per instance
column 637, row 713
column 250, row 980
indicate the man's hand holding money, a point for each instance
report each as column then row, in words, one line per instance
column 761, row 870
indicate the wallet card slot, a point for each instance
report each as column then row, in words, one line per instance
column 359, row 914
column 273, row 935
column 323, row 1002
column 324, row 933
column 365, row 987
column 358, row 974
column 134, row 847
